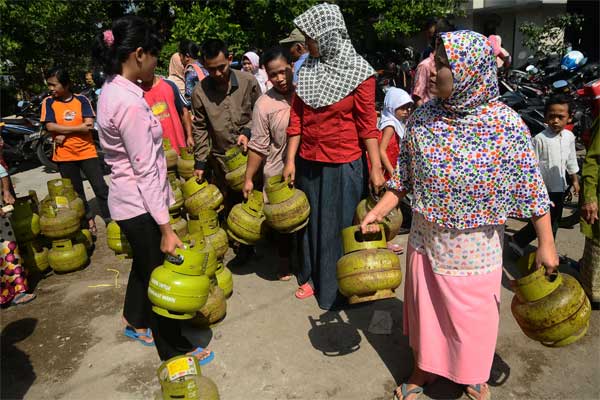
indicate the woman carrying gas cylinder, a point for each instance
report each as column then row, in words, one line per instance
column 469, row 163
column 332, row 120
column 140, row 194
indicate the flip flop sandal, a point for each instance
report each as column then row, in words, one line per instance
column 304, row 291
column 478, row 389
column 205, row 360
column 132, row 334
column 284, row 277
column 23, row 298
column 417, row 391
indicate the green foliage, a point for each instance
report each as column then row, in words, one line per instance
column 407, row 17
column 548, row 38
column 37, row 35
column 200, row 23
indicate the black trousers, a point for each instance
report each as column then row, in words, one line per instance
column 143, row 234
column 93, row 171
column 527, row 234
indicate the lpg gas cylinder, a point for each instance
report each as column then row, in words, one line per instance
column 235, row 162
column 25, row 222
column 245, row 221
column 116, row 239
column 61, row 193
column 180, row 379
column 552, row 309
column 185, row 163
column 224, row 279
column 392, row 222
column 288, row 209
column 213, row 311
column 179, row 288
column 213, row 233
column 57, row 223
column 199, row 195
column 34, row 256
column 368, row 270
column 170, row 154
column 64, row 256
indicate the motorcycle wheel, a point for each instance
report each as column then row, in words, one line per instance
column 44, row 151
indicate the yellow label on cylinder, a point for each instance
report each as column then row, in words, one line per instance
column 61, row 202
column 181, row 367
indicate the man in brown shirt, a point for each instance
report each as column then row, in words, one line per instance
column 222, row 107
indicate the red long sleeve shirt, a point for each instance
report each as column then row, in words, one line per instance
column 332, row 133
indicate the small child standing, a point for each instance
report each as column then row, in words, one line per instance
column 396, row 109
column 555, row 150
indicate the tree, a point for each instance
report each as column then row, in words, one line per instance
column 36, row 35
column 548, row 38
column 407, row 17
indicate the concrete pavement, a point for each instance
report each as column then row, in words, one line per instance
column 68, row 343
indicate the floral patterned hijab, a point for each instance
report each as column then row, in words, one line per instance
column 469, row 158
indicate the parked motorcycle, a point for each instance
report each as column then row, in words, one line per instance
column 21, row 133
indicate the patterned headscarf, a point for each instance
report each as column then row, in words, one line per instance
column 469, row 158
column 339, row 70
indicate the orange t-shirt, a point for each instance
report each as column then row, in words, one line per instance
column 76, row 146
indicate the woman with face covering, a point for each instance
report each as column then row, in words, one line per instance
column 332, row 120
column 469, row 162
column 251, row 64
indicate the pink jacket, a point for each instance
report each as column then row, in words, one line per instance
column 132, row 141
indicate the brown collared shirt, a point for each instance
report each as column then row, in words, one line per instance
column 220, row 117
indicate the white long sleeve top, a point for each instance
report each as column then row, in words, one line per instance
column 556, row 154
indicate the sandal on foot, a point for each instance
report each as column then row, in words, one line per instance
column 417, row 391
column 478, row 388
column 396, row 248
column 131, row 333
column 206, row 359
column 304, row 291
column 284, row 277
column 22, row 298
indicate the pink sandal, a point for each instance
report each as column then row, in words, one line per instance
column 304, row 291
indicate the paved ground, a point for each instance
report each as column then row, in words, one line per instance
column 68, row 343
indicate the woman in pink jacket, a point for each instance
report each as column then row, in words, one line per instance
column 139, row 195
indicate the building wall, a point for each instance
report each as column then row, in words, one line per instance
column 510, row 19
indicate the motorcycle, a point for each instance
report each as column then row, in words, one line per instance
column 21, row 133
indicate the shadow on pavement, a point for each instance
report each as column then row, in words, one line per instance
column 17, row 371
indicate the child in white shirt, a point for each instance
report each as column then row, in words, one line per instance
column 555, row 150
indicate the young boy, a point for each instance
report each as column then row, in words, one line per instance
column 555, row 150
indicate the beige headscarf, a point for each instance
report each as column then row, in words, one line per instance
column 176, row 72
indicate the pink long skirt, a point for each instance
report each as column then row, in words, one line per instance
column 451, row 322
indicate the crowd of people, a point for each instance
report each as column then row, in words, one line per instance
column 306, row 110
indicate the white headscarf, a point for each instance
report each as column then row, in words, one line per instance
column 394, row 98
column 259, row 73
column 339, row 69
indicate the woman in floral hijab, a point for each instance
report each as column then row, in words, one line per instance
column 468, row 160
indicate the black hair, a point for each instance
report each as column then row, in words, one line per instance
column 558, row 99
column 212, row 47
column 129, row 33
column 189, row 48
column 442, row 25
column 429, row 22
column 274, row 53
column 61, row 74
